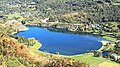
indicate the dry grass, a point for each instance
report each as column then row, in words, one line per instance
column 108, row 64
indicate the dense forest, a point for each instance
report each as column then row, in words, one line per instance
column 88, row 10
column 92, row 13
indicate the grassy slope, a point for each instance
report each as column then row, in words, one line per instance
column 94, row 61
column 89, row 59
column 109, row 64
column 118, row 33
column 109, row 38
column 115, row 4
column 35, row 47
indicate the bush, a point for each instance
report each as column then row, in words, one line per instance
column 96, row 54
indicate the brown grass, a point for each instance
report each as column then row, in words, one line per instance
column 108, row 64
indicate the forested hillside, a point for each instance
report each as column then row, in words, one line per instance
column 88, row 10
column 90, row 13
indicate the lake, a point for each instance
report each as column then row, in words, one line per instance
column 64, row 43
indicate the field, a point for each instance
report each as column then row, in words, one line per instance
column 115, row 3
column 108, row 64
column 95, row 61
column 118, row 33
column 89, row 59
column 109, row 38
column 35, row 47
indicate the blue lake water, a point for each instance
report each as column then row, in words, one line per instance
column 65, row 44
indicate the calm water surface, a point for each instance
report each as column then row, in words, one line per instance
column 65, row 44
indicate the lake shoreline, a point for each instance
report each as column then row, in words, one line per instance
column 79, row 40
column 38, row 46
column 80, row 57
column 104, row 42
column 22, row 30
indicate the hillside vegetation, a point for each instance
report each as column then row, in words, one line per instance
column 13, row 53
column 97, row 16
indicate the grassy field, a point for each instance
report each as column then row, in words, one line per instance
column 89, row 59
column 109, row 38
column 115, row 3
column 109, row 64
column 95, row 61
column 35, row 47
column 118, row 33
